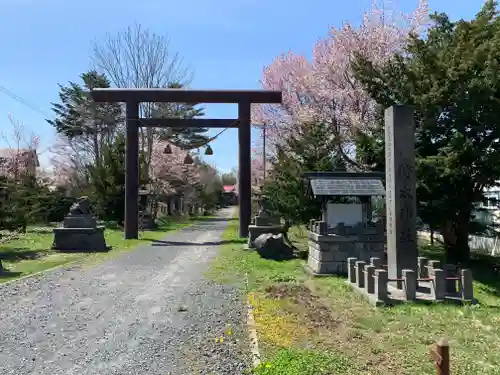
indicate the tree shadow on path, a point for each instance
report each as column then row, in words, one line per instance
column 183, row 243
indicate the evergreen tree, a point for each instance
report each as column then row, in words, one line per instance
column 78, row 116
column 451, row 78
column 107, row 182
column 309, row 149
column 182, row 137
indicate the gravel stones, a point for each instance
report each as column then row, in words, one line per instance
column 123, row 316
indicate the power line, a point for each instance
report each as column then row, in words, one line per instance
column 43, row 113
column 17, row 98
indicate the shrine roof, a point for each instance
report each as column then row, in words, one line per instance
column 346, row 183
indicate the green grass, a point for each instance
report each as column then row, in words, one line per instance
column 234, row 264
column 31, row 252
column 305, row 362
column 293, row 312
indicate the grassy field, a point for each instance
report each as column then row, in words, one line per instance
column 31, row 252
column 320, row 326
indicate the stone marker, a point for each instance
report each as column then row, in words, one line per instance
column 381, row 285
column 369, row 281
column 400, row 190
column 360, row 277
column 376, row 262
column 467, row 289
column 410, row 284
column 351, row 270
column 438, row 284
column 450, row 284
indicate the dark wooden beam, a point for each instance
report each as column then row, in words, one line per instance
column 244, row 168
column 188, row 123
column 185, row 96
column 132, row 172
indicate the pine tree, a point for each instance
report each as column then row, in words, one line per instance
column 107, row 182
column 182, row 137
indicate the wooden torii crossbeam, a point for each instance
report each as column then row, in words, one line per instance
column 132, row 97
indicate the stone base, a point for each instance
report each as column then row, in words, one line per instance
column 326, row 268
column 80, row 221
column 372, row 298
column 255, row 231
column 79, row 239
column 396, row 296
column 311, row 273
column 328, row 254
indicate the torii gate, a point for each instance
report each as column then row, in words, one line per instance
column 132, row 98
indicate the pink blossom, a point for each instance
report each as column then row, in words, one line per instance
column 20, row 157
column 168, row 171
column 324, row 89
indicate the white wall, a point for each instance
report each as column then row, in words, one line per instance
column 347, row 213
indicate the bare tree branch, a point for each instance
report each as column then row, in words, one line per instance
column 139, row 58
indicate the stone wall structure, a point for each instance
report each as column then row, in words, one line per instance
column 330, row 249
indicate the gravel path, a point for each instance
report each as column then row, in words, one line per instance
column 147, row 312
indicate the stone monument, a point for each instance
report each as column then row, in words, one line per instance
column 263, row 223
column 407, row 277
column 80, row 231
column 400, row 181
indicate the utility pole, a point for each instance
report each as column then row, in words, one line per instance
column 264, row 149
column 263, row 127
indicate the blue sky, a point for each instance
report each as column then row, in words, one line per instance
column 227, row 43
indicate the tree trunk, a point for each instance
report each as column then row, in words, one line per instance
column 456, row 240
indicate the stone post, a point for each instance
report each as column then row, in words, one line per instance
column 410, row 284
column 467, row 289
column 422, row 267
column 438, row 287
column 431, row 266
column 451, row 285
column 351, row 270
column 369, row 281
column 400, row 190
column 360, row 277
column 323, row 228
column 376, row 262
column 381, row 284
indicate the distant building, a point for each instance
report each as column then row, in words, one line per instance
column 23, row 161
column 230, row 194
column 490, row 208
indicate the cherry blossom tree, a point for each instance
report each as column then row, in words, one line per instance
column 20, row 156
column 68, row 162
column 168, row 174
column 323, row 89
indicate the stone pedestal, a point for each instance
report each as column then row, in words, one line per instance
column 329, row 253
column 79, row 234
column 262, row 223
